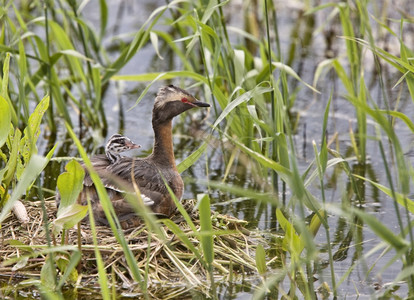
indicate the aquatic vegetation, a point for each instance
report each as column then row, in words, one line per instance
column 310, row 127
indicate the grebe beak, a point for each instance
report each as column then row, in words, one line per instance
column 200, row 104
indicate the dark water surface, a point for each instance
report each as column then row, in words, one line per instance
column 351, row 241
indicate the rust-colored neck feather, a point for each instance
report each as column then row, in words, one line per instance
column 163, row 152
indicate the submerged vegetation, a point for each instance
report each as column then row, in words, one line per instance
column 326, row 210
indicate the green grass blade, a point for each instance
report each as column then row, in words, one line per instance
column 183, row 237
column 260, row 258
column 36, row 164
column 70, row 268
column 382, row 231
column 258, row 90
column 192, row 158
column 5, row 120
column 403, row 201
column 5, row 89
column 104, row 18
column 291, row 72
column 206, row 229
column 401, row 116
column 102, row 279
column 160, row 76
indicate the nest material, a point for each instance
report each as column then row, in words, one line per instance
column 172, row 267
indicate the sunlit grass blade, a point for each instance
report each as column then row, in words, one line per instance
column 192, row 158
column 183, row 237
column 66, row 47
column 4, row 87
column 206, row 229
column 103, row 17
column 261, row 260
column 243, row 98
column 103, row 281
column 70, row 269
column 400, row 198
column 36, row 164
column 5, row 120
column 382, row 231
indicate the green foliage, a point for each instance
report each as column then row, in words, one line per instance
column 294, row 242
column 31, row 134
column 69, row 216
column 403, row 200
column 32, row 170
column 206, row 229
column 23, row 164
column 22, row 149
column 69, row 267
column 261, row 260
column 48, row 275
column 70, row 184
column 5, row 120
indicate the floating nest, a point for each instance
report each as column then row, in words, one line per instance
column 169, row 266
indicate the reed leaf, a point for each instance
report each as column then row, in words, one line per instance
column 103, row 17
column 69, row 269
column 258, row 90
column 5, row 89
column 382, row 121
column 382, row 231
column 31, row 134
column 291, row 72
column 48, row 274
column 206, row 229
column 5, row 120
column 400, row 198
column 399, row 115
column 192, row 158
column 173, row 45
column 66, row 47
column 243, row 192
column 103, row 281
column 183, row 237
column 260, row 258
column 160, row 76
column 13, row 156
column 291, row 241
column 36, row 164
column 265, row 161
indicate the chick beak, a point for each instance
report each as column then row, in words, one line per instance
column 132, row 145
